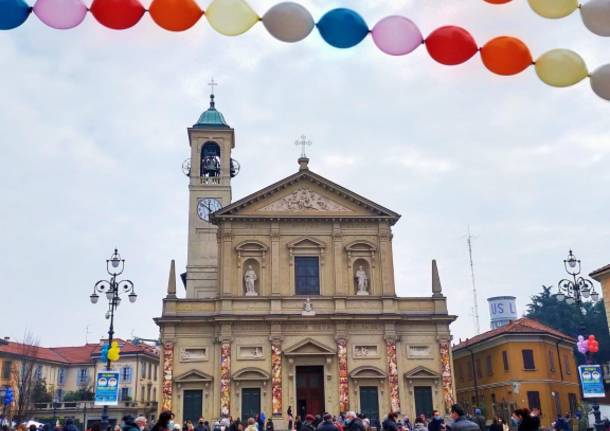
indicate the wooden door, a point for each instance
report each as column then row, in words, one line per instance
column 310, row 390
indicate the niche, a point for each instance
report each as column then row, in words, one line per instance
column 361, row 277
column 251, row 275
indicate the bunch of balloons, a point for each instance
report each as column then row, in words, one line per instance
column 340, row 27
column 587, row 345
column 110, row 352
column 595, row 14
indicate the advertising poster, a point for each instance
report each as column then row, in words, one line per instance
column 591, row 380
column 107, row 388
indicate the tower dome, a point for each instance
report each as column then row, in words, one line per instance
column 211, row 117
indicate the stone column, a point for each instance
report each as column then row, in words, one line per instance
column 390, row 350
column 343, row 376
column 225, row 377
column 446, row 374
column 168, row 376
column 276, row 376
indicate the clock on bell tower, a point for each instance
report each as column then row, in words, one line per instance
column 210, row 169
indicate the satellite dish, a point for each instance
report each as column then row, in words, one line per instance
column 186, row 167
column 235, row 167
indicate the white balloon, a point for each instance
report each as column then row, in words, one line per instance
column 288, row 22
column 600, row 81
column 595, row 15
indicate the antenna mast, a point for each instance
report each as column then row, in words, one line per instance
column 475, row 296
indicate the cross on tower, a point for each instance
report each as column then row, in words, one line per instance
column 303, row 142
column 212, row 84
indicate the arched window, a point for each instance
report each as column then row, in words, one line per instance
column 210, row 159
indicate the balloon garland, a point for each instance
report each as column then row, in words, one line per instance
column 342, row 28
column 595, row 14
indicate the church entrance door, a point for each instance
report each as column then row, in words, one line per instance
column 310, row 390
column 423, row 400
column 369, row 403
column 250, row 403
column 192, row 407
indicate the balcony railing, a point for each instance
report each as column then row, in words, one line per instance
column 89, row 405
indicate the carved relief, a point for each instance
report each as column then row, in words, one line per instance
column 415, row 351
column 304, row 199
column 194, row 354
column 250, row 352
column 367, row 351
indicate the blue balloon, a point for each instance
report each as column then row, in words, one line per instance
column 342, row 28
column 13, row 13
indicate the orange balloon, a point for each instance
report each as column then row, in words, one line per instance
column 506, row 55
column 497, row 1
column 175, row 15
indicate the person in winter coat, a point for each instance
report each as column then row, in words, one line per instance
column 353, row 422
column 163, row 423
column 69, row 425
column 525, row 421
column 307, row 425
column 460, row 423
column 269, row 426
column 496, row 425
column 327, row 423
column 436, row 422
column 480, row 420
column 129, row 424
column 389, row 424
column 251, row 425
column 420, row 424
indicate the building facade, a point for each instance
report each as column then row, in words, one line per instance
column 521, row 364
column 69, row 373
column 290, row 301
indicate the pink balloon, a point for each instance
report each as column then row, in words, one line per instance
column 60, row 14
column 396, row 35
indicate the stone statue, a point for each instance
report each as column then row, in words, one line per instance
column 362, row 281
column 249, row 279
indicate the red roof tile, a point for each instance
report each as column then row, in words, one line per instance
column 72, row 354
column 523, row 325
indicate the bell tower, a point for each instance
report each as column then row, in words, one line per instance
column 210, row 169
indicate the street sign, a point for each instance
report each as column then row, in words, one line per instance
column 591, row 380
column 107, row 388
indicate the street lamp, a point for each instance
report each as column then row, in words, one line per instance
column 577, row 290
column 112, row 289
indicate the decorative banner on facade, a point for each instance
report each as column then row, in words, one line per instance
column 390, row 350
column 276, row 377
column 343, row 378
column 168, row 375
column 591, row 381
column 446, row 375
column 107, row 388
column 225, row 379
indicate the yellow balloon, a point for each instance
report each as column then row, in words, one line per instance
column 231, row 17
column 553, row 8
column 561, row 68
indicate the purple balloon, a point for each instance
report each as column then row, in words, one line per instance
column 60, row 14
column 397, row 35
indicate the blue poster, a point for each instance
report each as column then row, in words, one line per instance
column 591, row 379
column 107, row 388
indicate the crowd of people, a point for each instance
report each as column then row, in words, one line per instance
column 521, row 420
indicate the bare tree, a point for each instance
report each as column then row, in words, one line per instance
column 24, row 376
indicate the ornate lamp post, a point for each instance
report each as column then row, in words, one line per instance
column 577, row 291
column 112, row 289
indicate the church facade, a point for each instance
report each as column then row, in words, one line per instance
column 290, row 302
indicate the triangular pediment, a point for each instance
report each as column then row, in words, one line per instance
column 305, row 195
column 309, row 347
column 193, row 376
column 421, row 373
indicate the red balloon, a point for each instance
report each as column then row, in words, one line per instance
column 497, row 1
column 451, row 45
column 117, row 14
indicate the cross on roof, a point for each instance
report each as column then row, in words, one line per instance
column 303, row 142
column 212, row 84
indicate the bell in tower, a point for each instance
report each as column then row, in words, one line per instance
column 210, row 169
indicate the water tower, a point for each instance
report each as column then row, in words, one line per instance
column 502, row 309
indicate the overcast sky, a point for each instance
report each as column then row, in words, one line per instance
column 93, row 133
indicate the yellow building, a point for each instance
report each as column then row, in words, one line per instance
column 290, row 301
column 602, row 275
column 521, row 364
column 67, row 370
